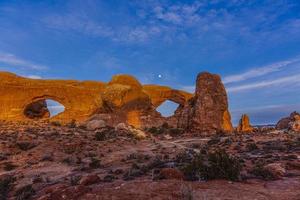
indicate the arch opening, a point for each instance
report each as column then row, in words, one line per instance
column 43, row 109
column 167, row 108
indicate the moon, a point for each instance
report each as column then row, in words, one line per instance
column 159, row 76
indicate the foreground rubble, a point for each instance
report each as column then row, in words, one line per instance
column 50, row 161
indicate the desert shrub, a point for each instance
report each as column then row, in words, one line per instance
column 82, row 126
column 260, row 171
column 8, row 166
column 105, row 134
column 214, row 140
column 5, row 186
column 74, row 180
column 216, row 165
column 251, row 146
column 165, row 125
column 135, row 171
column 55, row 123
column 192, row 170
column 176, row 131
column 156, row 130
column 69, row 149
column 24, row 193
column 186, row 192
column 95, row 163
column 25, row 145
column 72, row 124
column 100, row 136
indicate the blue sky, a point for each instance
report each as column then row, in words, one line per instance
column 253, row 44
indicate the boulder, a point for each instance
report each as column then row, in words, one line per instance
column 37, row 110
column 90, row 179
column 121, row 127
column 276, row 169
column 207, row 111
column 95, row 124
column 136, row 133
column 171, row 173
column 283, row 123
column 291, row 122
column 244, row 124
column 294, row 125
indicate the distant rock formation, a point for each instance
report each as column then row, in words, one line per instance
column 291, row 123
column 207, row 111
column 244, row 124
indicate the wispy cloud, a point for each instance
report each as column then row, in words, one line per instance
column 257, row 72
column 262, row 84
column 11, row 59
column 33, row 76
column 90, row 27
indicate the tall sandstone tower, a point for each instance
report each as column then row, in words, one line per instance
column 207, row 111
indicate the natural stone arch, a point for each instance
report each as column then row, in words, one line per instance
column 159, row 94
column 44, row 98
column 81, row 99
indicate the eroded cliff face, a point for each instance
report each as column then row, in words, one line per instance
column 123, row 99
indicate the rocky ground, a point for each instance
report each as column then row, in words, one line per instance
column 49, row 161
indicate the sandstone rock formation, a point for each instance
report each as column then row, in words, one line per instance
column 80, row 99
column 244, row 124
column 207, row 111
column 290, row 122
column 123, row 99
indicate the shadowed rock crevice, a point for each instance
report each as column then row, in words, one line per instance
column 37, row 110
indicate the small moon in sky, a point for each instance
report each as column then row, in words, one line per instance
column 159, row 76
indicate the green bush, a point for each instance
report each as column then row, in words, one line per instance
column 216, row 165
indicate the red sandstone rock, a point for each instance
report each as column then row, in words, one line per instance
column 90, row 179
column 244, row 124
column 207, row 111
column 95, row 124
column 171, row 173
